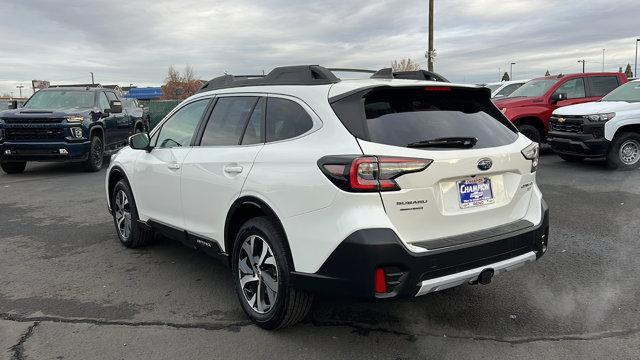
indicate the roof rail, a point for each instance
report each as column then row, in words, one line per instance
column 388, row 73
column 285, row 75
column 353, row 70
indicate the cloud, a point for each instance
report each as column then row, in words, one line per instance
column 135, row 41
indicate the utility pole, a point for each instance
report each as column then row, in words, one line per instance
column 430, row 51
column 635, row 69
column 602, row 60
column 20, row 88
column 499, row 74
column 511, row 70
column 582, row 61
column 92, row 82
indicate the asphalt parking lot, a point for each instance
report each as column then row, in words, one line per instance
column 69, row 290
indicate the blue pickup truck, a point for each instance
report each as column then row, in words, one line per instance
column 65, row 124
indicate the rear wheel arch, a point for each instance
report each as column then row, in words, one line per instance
column 249, row 207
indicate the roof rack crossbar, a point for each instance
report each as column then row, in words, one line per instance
column 388, row 73
column 285, row 75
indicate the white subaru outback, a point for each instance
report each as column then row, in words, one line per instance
column 303, row 183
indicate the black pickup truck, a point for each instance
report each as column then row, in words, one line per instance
column 65, row 124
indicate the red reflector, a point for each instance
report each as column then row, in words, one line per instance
column 437, row 88
column 381, row 281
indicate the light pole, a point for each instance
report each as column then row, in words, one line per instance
column 511, row 70
column 582, row 61
column 602, row 60
column 430, row 50
column 20, row 88
column 92, row 82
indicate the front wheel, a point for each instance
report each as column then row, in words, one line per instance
column 96, row 155
column 530, row 131
column 261, row 272
column 125, row 217
column 14, row 167
column 624, row 152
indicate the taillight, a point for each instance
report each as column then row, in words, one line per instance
column 369, row 173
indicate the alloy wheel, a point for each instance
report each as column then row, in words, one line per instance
column 630, row 152
column 258, row 274
column 123, row 215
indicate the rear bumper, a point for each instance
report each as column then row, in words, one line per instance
column 350, row 270
column 578, row 144
column 44, row 151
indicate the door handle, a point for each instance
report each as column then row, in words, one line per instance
column 173, row 166
column 233, row 169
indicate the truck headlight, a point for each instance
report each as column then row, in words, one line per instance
column 532, row 152
column 601, row 117
column 74, row 119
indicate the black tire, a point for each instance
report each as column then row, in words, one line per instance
column 571, row 158
column 291, row 305
column 137, row 235
column 617, row 158
column 14, row 167
column 530, row 131
column 95, row 157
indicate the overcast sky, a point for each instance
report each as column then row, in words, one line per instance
column 134, row 41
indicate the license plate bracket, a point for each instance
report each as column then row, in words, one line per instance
column 475, row 192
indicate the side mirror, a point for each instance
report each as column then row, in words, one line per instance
column 558, row 97
column 13, row 104
column 140, row 141
column 116, row 106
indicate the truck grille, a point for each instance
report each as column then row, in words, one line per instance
column 32, row 120
column 570, row 124
column 34, row 134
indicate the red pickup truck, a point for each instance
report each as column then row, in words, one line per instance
column 531, row 105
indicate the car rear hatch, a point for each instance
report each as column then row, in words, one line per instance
column 477, row 179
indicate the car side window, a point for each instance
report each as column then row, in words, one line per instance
column 228, row 120
column 111, row 96
column 507, row 90
column 286, row 119
column 179, row 128
column 602, row 85
column 253, row 134
column 103, row 101
column 574, row 88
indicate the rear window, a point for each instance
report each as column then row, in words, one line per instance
column 401, row 116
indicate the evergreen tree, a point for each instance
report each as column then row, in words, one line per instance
column 505, row 77
column 628, row 71
column 547, row 73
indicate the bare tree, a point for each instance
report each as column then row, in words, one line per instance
column 180, row 86
column 405, row 65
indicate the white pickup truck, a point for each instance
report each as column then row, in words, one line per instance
column 607, row 128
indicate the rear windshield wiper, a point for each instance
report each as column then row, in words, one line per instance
column 446, row 142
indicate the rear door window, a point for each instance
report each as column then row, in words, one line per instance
column 228, row 120
column 574, row 88
column 286, row 119
column 254, row 133
column 602, row 85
